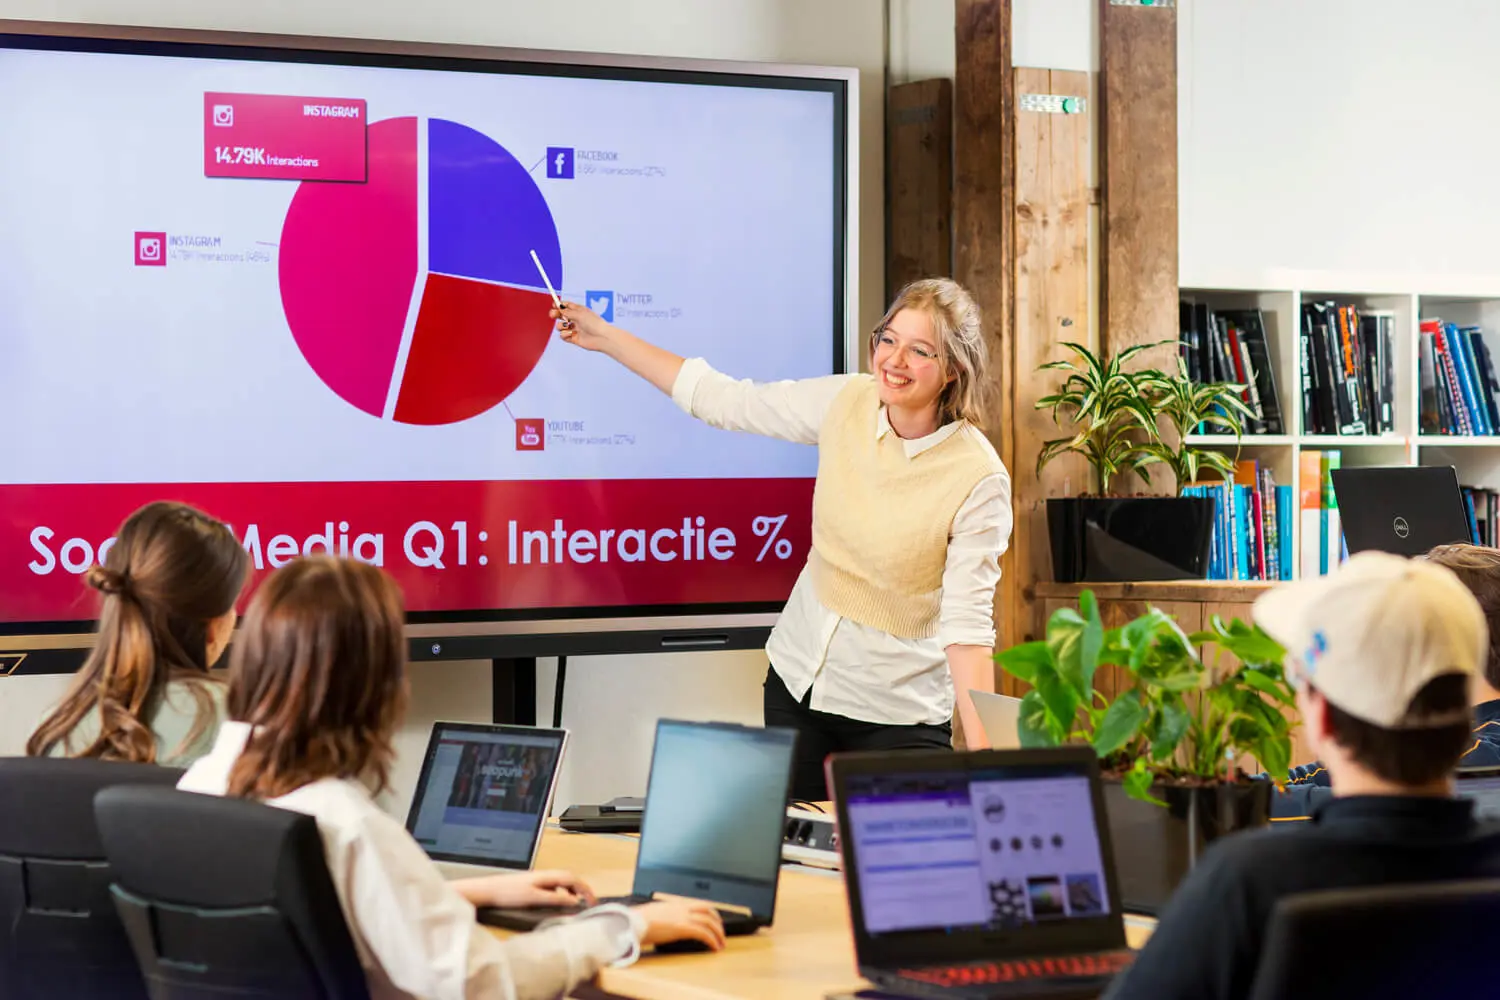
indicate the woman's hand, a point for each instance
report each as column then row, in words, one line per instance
column 526, row 889
column 674, row 920
column 581, row 326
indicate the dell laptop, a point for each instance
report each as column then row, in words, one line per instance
column 484, row 795
column 711, row 830
column 1404, row 509
column 980, row 874
column 1000, row 714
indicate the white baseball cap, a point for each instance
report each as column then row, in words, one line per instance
column 1372, row 633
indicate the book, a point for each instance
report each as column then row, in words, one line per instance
column 1309, row 510
column 1251, row 324
column 1330, row 534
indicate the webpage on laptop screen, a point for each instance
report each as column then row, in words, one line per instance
column 950, row 851
column 485, row 794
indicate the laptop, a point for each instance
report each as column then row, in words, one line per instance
column 483, row 795
column 1000, row 714
column 1482, row 785
column 980, row 874
column 1404, row 509
column 711, row 830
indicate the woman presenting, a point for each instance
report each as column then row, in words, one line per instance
column 911, row 512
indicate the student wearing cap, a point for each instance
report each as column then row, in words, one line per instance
column 1477, row 568
column 1383, row 652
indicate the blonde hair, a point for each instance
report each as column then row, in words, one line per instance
column 961, row 346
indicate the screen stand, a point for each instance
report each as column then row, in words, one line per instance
column 557, row 692
column 513, row 690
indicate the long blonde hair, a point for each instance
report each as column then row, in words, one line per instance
column 171, row 571
column 961, row 347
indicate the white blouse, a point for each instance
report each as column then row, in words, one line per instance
column 853, row 670
column 416, row 936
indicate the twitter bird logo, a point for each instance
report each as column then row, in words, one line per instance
column 602, row 303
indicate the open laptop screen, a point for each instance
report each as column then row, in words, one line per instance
column 984, row 849
column 484, row 792
column 715, row 809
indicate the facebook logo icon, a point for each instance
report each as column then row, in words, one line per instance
column 560, row 162
column 602, row 303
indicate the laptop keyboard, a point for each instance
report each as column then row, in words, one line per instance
column 1035, row 970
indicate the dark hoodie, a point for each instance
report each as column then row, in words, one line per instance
column 1308, row 787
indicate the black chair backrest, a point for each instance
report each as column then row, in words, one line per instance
column 224, row 897
column 1390, row 941
column 60, row 934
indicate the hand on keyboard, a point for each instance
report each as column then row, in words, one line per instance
column 673, row 920
column 524, row 890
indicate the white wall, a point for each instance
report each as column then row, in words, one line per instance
column 613, row 702
column 1342, row 144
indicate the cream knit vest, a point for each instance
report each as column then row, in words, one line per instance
column 881, row 521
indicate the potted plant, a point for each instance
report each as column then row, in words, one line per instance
column 1170, row 740
column 1116, row 415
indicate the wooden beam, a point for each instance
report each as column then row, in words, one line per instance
column 983, row 241
column 1138, row 170
column 1051, row 302
column 919, row 182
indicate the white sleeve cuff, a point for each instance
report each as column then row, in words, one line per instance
column 624, row 926
column 686, row 385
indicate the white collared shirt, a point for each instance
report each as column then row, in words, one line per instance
column 853, row 670
column 416, row 936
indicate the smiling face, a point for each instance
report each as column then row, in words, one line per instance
column 907, row 364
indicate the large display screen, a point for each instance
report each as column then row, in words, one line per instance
column 295, row 287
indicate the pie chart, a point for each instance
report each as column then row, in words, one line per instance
column 413, row 295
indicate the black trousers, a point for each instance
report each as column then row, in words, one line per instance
column 822, row 733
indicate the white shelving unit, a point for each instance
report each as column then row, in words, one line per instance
column 1477, row 459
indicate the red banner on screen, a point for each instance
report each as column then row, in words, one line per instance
column 276, row 137
column 452, row 546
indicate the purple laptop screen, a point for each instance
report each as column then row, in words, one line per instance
column 975, row 850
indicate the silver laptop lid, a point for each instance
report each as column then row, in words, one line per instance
column 485, row 792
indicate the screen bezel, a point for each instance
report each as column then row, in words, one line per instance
column 487, row 729
column 475, row 634
column 895, row 949
column 756, row 895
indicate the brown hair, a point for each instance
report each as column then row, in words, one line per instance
column 1410, row 756
column 961, row 346
column 171, row 571
column 320, row 670
column 1479, row 570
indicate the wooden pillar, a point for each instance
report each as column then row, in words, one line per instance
column 1138, row 172
column 983, row 237
column 918, row 182
column 1052, row 126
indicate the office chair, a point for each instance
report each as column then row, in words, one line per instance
column 1389, row 941
column 60, row 935
column 224, row 897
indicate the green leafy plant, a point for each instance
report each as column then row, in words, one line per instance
column 1115, row 413
column 1188, row 406
column 1182, row 719
column 1107, row 408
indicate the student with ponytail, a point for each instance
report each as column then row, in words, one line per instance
column 169, row 586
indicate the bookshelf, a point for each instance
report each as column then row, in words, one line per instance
column 1476, row 458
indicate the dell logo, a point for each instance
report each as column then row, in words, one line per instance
column 1401, row 527
column 701, row 884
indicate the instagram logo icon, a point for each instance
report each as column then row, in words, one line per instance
column 224, row 115
column 151, row 249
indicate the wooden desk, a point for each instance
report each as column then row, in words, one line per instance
column 807, row 954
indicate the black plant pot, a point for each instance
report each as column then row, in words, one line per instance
column 1156, row 846
column 1108, row 539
